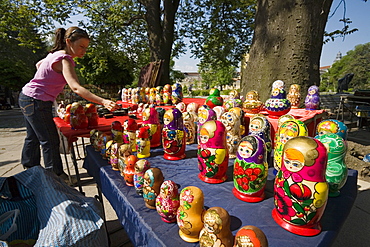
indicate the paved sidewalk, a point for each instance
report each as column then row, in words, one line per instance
column 354, row 232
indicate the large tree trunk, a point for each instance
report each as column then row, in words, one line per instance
column 161, row 32
column 287, row 45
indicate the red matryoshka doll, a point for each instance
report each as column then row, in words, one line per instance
column 233, row 100
column 216, row 230
column 336, row 171
column 213, row 156
column 151, row 119
column 260, row 126
column 123, row 152
column 250, row 169
column 141, row 166
column 252, row 104
column 205, row 113
column 130, row 128
column 177, row 95
column 294, row 95
column 189, row 127
column 278, row 104
column 168, row 201
column 300, row 188
column 332, row 126
column 153, row 179
column 143, row 142
column 92, row 115
column 129, row 170
column 173, row 135
column 219, row 111
column 189, row 213
column 214, row 98
column 312, row 100
column 287, row 131
column 159, row 96
column 232, row 124
column 117, row 131
column 167, row 93
column 250, row 236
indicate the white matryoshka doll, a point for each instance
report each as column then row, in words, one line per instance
column 332, row 126
column 336, row 171
column 143, row 142
column 205, row 113
column 250, row 169
column 260, row 126
column 233, row 100
column 189, row 127
column 153, row 179
column 232, row 124
column 312, row 100
column 129, row 95
column 213, row 157
column 219, row 111
column 168, row 201
column 181, row 106
column 189, row 213
column 141, row 166
column 244, row 122
column 216, row 230
column 300, row 188
column 124, row 94
column 294, row 95
column 151, row 119
column 193, row 107
column 288, row 130
column 173, row 135
column 250, row 236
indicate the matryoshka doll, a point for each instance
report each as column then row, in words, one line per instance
column 159, row 96
column 250, row 236
column 213, row 156
column 177, row 95
column 278, row 104
column 153, row 179
column 189, row 213
column 147, row 94
column 130, row 127
column 129, row 95
column 168, row 201
column 232, row 124
column 244, row 122
column 281, row 120
column 252, row 103
column 205, row 113
column 216, row 230
column 260, row 126
column 173, row 135
column 294, row 95
column 140, row 167
column 189, row 127
column 152, row 96
column 233, row 100
column 117, row 131
column 124, row 95
column 219, row 111
column 250, row 169
column 114, row 155
column 336, row 171
column 288, row 130
column 181, row 106
column 332, row 126
column 143, row 142
column 142, row 95
column 312, row 101
column 214, row 98
column 192, row 107
column 129, row 170
column 151, row 119
column 123, row 152
column 300, row 188
column 167, row 93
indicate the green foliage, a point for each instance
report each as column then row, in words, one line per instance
column 200, row 92
column 356, row 61
column 220, row 77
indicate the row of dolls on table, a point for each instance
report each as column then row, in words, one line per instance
column 308, row 169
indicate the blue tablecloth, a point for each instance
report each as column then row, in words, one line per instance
column 145, row 228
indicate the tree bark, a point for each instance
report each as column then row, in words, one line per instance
column 161, row 32
column 286, row 45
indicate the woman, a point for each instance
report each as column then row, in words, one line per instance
column 37, row 97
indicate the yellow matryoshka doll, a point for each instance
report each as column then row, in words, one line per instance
column 300, row 187
column 287, row 131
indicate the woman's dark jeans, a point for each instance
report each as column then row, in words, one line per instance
column 41, row 130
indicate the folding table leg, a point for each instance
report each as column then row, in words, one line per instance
column 74, row 161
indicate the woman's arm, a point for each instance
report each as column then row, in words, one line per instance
column 69, row 74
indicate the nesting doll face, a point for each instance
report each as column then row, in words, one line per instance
column 205, row 113
column 332, row 126
column 212, row 221
column 252, row 95
column 230, row 120
column 256, row 124
column 214, row 134
column 313, row 90
column 181, row 106
column 146, row 114
column 294, row 88
column 167, row 118
column 251, row 149
column 245, row 149
column 172, row 119
column 192, row 107
column 290, row 129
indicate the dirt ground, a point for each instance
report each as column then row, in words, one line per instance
column 353, row 160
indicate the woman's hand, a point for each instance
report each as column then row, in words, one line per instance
column 110, row 105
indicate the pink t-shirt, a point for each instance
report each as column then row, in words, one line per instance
column 47, row 83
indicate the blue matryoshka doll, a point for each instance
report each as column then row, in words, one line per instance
column 260, row 126
column 177, row 95
column 250, row 169
column 312, row 101
column 332, row 126
column 213, row 156
column 173, row 135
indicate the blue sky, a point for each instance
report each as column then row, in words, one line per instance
column 357, row 10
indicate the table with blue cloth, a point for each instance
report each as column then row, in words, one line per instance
column 145, row 227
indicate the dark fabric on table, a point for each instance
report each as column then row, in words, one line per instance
column 145, row 228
